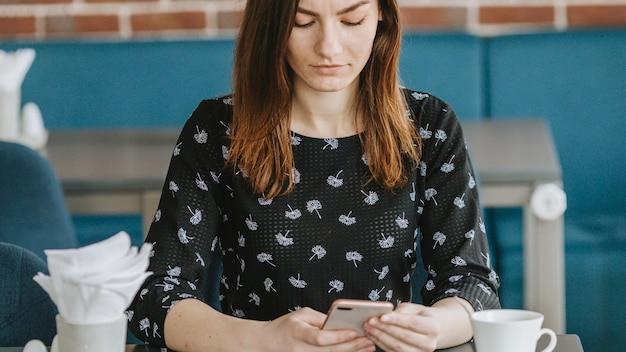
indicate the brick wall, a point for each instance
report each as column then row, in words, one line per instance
column 161, row 19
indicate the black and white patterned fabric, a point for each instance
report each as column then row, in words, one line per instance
column 336, row 235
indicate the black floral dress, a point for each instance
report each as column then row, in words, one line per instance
column 336, row 235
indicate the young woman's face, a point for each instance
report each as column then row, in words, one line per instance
column 331, row 42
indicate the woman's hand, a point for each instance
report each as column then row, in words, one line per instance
column 410, row 327
column 301, row 331
column 414, row 327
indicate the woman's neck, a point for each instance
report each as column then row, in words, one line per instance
column 324, row 114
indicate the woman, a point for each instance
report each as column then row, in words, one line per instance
column 317, row 179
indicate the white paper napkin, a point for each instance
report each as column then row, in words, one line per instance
column 96, row 283
column 13, row 68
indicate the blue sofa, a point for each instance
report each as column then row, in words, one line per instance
column 574, row 79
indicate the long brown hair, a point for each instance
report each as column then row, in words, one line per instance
column 262, row 91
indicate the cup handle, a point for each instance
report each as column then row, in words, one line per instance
column 552, row 344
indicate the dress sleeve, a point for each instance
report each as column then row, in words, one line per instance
column 453, row 240
column 184, row 231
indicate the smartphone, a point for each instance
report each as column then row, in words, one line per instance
column 352, row 313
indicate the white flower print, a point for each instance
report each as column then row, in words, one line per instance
column 214, row 243
column 402, row 222
column 423, row 168
column 295, row 140
column 455, row 278
column 333, row 143
column 241, row 240
column 432, row 272
column 430, row 193
column 252, row 225
column 389, row 295
column 182, row 236
column 173, row 187
column 472, row 183
column 448, row 166
column 470, row 235
column 157, row 215
column 297, row 282
column 269, row 284
column 425, row 133
column 196, row 216
column 439, row 238
column 419, row 96
column 314, row 205
column 238, row 313
column 155, row 327
column 413, row 193
column 200, row 182
column 406, row 278
column 144, row 325
column 383, row 272
column 228, row 101
column 174, row 271
column 334, row 180
column 265, row 258
column 335, row 285
column 493, row 277
column 199, row 259
column 370, row 198
column 459, row 202
column 451, row 291
column 201, row 136
column 441, row 136
column 347, row 219
column 227, row 131
column 255, row 298
column 283, row 240
column 143, row 293
column 354, row 256
column 487, row 260
column 386, row 242
column 364, row 159
column 292, row 213
column 420, row 208
column 485, row 288
column 458, row 261
column 408, row 253
column 263, row 201
column 375, row 294
column 177, row 149
column 481, row 225
column 224, row 152
column 430, row 285
column 318, row 251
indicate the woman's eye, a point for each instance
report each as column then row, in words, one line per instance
column 303, row 25
column 354, row 23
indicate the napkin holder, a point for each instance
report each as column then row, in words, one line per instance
column 19, row 125
column 100, row 337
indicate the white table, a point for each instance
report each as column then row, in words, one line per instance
column 122, row 172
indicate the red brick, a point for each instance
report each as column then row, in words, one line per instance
column 433, row 17
column 598, row 16
column 31, row 2
column 17, row 26
column 516, row 14
column 117, row 1
column 76, row 25
column 230, row 19
column 168, row 21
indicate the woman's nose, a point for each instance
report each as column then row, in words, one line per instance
column 329, row 41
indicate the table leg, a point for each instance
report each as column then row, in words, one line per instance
column 544, row 262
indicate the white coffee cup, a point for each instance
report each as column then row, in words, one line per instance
column 104, row 337
column 510, row 330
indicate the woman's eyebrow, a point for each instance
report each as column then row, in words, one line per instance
column 340, row 12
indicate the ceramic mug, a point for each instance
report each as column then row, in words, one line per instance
column 102, row 337
column 511, row 330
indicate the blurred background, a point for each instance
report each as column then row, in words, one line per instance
column 109, row 64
